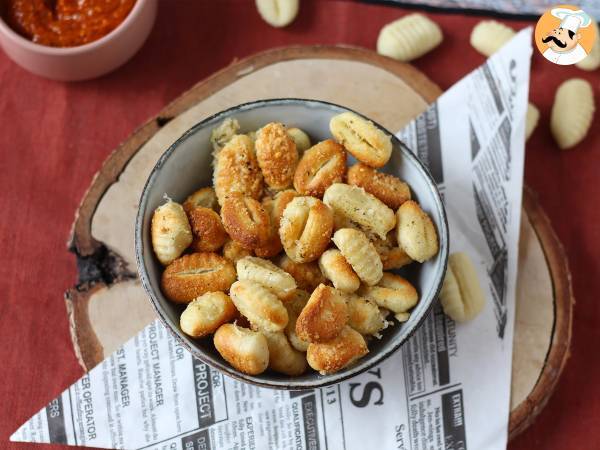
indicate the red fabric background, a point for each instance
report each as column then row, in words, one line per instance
column 54, row 137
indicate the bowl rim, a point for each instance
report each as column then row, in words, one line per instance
column 23, row 42
column 222, row 366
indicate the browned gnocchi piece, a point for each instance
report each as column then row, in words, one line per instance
column 307, row 275
column 338, row 353
column 207, row 228
column 234, row 251
column 245, row 220
column 294, row 306
column 320, row 167
column 262, row 307
column 392, row 256
column 205, row 197
column 365, row 316
column 389, row 189
column 277, row 155
column 246, row 350
column 334, row 266
column 393, row 292
column 170, row 231
column 284, row 358
column 323, row 317
column 205, row 314
column 274, row 207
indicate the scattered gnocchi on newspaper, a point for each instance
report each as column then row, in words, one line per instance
column 283, row 261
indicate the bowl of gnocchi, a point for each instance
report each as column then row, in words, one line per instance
column 291, row 243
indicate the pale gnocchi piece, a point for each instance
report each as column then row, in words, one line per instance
column 305, row 228
column 300, row 138
column 205, row 197
column 461, row 296
column 365, row 316
column 338, row 353
column 360, row 253
column 170, row 231
column 222, row 134
column 205, row 314
column 236, row 170
column 365, row 141
column 393, row 292
column 323, row 316
column 389, row 189
column 409, row 37
column 277, row 155
column 320, row 167
column 294, row 306
column 278, row 13
column 531, row 119
column 246, row 221
column 334, row 267
column 234, row 251
column 402, row 316
column 489, row 35
column 259, row 305
column 246, row 350
column 264, row 272
column 572, row 112
column 360, row 207
column 416, row 233
column 284, row 358
column 307, row 275
column 592, row 60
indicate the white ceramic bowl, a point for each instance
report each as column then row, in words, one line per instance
column 186, row 166
column 85, row 61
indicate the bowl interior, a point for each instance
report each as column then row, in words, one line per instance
column 186, row 166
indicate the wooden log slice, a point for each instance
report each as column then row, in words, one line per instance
column 108, row 305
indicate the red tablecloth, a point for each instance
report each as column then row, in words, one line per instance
column 54, row 137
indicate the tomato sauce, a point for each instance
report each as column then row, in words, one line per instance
column 65, row 23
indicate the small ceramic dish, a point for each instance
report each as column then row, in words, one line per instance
column 186, row 166
column 85, row 61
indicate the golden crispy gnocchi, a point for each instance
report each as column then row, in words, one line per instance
column 170, row 231
column 307, row 275
column 393, row 292
column 389, row 189
column 362, row 208
column 300, row 138
column 360, row 253
column 222, row 134
column 294, row 306
column 274, row 207
column 334, row 267
column 195, row 274
column 234, row 251
column 365, row 141
column 338, row 353
column 205, row 197
column 205, row 314
column 305, row 228
column 409, row 37
column 365, row 316
column 284, row 358
column 207, row 228
column 262, row 307
column 236, row 170
column 324, row 315
column 392, row 256
column 416, row 232
column 461, row 296
column 246, row 221
column 246, row 350
column 320, row 167
column 277, row 155
column 266, row 273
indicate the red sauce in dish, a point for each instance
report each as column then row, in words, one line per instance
column 65, row 23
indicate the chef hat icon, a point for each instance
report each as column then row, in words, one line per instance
column 572, row 20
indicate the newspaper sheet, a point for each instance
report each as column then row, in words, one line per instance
column 447, row 388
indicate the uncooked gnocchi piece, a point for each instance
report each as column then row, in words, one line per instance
column 294, row 306
column 245, row 220
column 592, row 60
column 320, row 167
column 266, row 273
column 206, row 314
column 195, row 274
column 204, row 197
column 323, row 316
column 365, row 141
column 409, row 37
column 338, row 353
column 277, row 155
column 365, row 316
column 360, row 253
column 393, row 292
column 362, row 208
column 389, row 189
column 262, row 307
column 488, row 36
column 278, row 13
column 222, row 134
column 416, row 232
column 531, row 119
column 246, row 350
column 234, row 251
column 236, row 170
column 334, row 267
column 300, row 138
column 307, row 275
column 284, row 358
column 572, row 112
column 170, row 231
column 207, row 228
column 461, row 296
column 305, row 228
